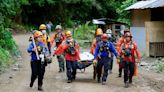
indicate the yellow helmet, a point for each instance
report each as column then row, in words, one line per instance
column 37, row 34
column 42, row 27
column 68, row 33
column 99, row 31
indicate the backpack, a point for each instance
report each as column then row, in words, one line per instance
column 104, row 47
column 71, row 47
column 127, row 51
column 59, row 39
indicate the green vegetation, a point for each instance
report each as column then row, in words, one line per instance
column 65, row 12
column 161, row 68
column 123, row 15
column 8, row 48
column 21, row 15
column 5, row 60
column 84, row 34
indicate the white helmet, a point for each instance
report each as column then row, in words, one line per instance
column 58, row 27
column 109, row 31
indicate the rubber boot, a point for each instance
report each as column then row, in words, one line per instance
column 126, row 85
column 69, row 81
column 103, row 82
column 40, row 88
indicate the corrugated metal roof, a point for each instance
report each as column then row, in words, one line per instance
column 147, row 4
column 94, row 21
column 158, row 3
column 104, row 21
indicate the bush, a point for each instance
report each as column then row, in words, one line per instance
column 161, row 68
column 69, row 23
column 8, row 48
column 85, row 32
column 5, row 59
column 7, row 42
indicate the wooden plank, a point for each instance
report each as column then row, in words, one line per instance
column 154, row 33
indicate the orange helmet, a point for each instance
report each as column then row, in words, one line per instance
column 68, row 33
column 99, row 31
column 37, row 34
column 42, row 27
column 104, row 36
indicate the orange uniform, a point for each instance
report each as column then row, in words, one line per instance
column 93, row 46
column 134, row 51
column 121, row 41
column 59, row 36
column 94, row 43
column 63, row 48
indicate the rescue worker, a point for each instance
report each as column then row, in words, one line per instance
column 37, row 49
column 71, row 49
column 120, row 42
column 46, row 37
column 113, row 40
column 103, row 51
column 96, row 40
column 128, row 51
column 58, row 38
column 111, row 36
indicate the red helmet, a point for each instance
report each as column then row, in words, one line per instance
column 126, row 31
column 104, row 36
column 128, row 34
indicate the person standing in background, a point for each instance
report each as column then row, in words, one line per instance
column 49, row 27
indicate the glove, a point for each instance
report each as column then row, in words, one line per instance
column 39, row 48
column 48, row 60
column 94, row 62
column 138, row 61
column 123, row 51
column 55, row 48
column 118, row 61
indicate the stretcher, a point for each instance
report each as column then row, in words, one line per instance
column 86, row 59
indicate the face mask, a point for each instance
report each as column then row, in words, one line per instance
column 70, row 40
column 44, row 31
column 109, row 35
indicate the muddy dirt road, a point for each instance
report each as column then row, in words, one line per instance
column 18, row 81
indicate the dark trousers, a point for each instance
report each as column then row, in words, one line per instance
column 128, row 70
column 61, row 62
column 38, row 70
column 49, row 47
column 71, row 69
column 120, row 67
column 111, row 65
column 104, row 61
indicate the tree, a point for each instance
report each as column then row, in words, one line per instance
column 123, row 15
